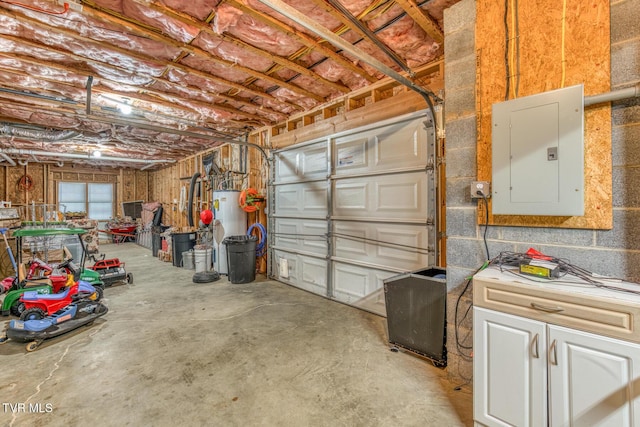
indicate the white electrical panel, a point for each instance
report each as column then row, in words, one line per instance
column 538, row 154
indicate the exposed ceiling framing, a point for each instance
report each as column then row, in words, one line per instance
column 195, row 74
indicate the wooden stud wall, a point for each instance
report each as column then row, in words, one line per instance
column 129, row 184
column 11, row 190
column 377, row 102
column 165, row 186
column 543, row 66
column 123, row 180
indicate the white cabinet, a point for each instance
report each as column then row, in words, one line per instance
column 509, row 370
column 593, row 380
column 531, row 370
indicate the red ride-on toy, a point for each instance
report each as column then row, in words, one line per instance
column 38, row 306
column 111, row 271
column 39, row 269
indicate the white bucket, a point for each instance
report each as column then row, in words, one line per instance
column 202, row 259
column 187, row 260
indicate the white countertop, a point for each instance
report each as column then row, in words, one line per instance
column 609, row 288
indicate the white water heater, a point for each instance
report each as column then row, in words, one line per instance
column 233, row 221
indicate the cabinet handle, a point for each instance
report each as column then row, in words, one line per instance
column 534, row 347
column 546, row 308
column 553, row 353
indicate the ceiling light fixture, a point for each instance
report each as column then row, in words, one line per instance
column 96, row 153
column 122, row 104
column 124, row 108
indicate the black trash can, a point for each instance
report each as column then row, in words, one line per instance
column 181, row 242
column 416, row 305
column 241, row 258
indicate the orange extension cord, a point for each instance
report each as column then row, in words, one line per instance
column 250, row 200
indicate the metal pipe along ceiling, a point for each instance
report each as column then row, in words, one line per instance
column 224, row 140
column 16, row 151
column 371, row 36
column 293, row 14
column 39, row 134
column 8, row 159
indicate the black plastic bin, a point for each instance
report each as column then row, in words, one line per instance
column 241, row 258
column 156, row 238
column 416, row 305
column 181, row 242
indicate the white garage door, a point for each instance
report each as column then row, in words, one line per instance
column 352, row 209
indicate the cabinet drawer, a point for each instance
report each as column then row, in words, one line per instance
column 605, row 316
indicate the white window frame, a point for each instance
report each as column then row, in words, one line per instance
column 86, row 196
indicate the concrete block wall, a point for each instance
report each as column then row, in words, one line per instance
column 613, row 252
column 464, row 249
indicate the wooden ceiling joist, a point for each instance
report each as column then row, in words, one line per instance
column 425, row 22
column 176, row 87
column 158, row 99
column 144, row 58
column 308, row 41
column 139, row 27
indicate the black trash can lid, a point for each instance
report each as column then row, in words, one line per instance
column 242, row 239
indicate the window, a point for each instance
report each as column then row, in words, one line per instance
column 93, row 198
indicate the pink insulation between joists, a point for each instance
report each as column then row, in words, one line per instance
column 35, row 70
column 150, row 16
column 62, row 43
column 223, row 71
column 239, row 24
column 112, row 76
column 200, row 9
column 183, row 65
column 247, row 28
column 435, row 8
column 193, row 93
column 30, row 83
column 231, row 52
column 308, row 9
column 409, row 40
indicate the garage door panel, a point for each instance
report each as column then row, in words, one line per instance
column 286, row 233
column 314, row 197
column 313, row 162
column 399, row 246
column 350, row 241
column 314, row 274
column 286, row 165
column 300, row 164
column 362, row 287
column 304, row 272
column 287, row 199
column 351, row 154
column 351, row 196
column 304, row 235
column 373, row 194
column 303, row 199
column 397, row 197
column 399, row 146
column 314, row 239
column 405, row 248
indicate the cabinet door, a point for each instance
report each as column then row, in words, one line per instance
column 509, row 370
column 593, row 380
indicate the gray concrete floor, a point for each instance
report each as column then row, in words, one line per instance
column 173, row 352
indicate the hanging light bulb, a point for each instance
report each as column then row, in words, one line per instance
column 96, row 153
